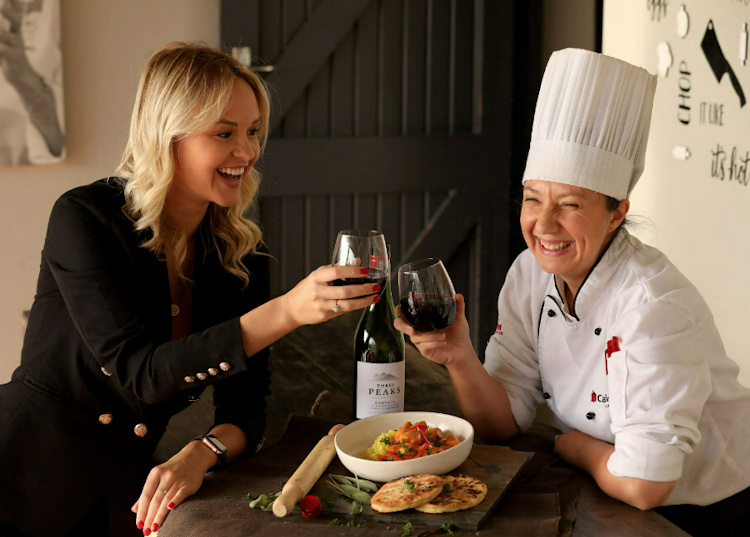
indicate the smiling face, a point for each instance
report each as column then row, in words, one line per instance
column 210, row 166
column 567, row 227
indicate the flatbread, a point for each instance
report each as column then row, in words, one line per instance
column 466, row 493
column 406, row 493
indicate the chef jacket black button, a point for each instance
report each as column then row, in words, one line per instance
column 551, row 313
column 590, row 416
column 598, row 331
column 546, row 395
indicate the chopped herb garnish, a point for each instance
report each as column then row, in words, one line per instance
column 385, row 440
column 447, row 488
column 448, row 528
column 334, row 522
column 408, row 530
column 265, row 502
column 409, row 485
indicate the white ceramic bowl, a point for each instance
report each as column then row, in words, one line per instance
column 355, row 438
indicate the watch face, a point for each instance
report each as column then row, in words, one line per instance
column 216, row 442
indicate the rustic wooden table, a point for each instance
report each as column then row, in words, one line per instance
column 317, row 359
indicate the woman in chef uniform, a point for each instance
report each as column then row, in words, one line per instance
column 601, row 327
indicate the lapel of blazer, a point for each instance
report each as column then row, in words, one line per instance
column 215, row 289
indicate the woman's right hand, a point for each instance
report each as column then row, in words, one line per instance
column 312, row 300
column 447, row 346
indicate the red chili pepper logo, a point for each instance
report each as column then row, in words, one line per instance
column 593, row 396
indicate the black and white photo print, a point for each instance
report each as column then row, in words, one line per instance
column 31, row 89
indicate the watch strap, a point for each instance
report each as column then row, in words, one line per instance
column 206, row 440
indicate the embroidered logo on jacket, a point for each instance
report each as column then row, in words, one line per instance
column 499, row 329
column 612, row 346
column 599, row 398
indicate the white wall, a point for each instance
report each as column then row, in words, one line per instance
column 105, row 43
column 699, row 221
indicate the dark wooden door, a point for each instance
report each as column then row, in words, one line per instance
column 394, row 115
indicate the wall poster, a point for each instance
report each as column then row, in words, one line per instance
column 695, row 190
column 31, row 89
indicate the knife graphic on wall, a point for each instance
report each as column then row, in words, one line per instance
column 718, row 61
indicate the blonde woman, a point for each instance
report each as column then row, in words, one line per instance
column 152, row 287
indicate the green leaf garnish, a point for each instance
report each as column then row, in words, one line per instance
column 355, row 508
column 448, row 528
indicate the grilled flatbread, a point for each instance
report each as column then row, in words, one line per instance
column 406, row 493
column 459, row 492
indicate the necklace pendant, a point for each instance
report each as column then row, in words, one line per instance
column 175, row 310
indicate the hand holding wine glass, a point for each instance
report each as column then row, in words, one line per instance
column 447, row 346
column 431, row 313
column 344, row 285
column 314, row 300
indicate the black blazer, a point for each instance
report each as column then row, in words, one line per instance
column 98, row 346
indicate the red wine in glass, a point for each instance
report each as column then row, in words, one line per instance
column 426, row 295
column 375, row 276
column 429, row 312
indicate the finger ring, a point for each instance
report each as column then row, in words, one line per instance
column 336, row 307
column 163, row 491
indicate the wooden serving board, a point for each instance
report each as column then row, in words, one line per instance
column 496, row 466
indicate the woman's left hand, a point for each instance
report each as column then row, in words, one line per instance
column 181, row 476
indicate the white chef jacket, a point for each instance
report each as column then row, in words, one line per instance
column 668, row 399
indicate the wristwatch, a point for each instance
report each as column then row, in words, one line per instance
column 215, row 445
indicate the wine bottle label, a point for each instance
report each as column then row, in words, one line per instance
column 380, row 388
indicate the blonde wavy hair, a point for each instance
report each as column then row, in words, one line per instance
column 184, row 89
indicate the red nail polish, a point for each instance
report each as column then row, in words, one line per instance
column 155, row 527
column 171, row 505
column 377, row 297
column 139, row 525
column 376, row 288
column 147, row 532
column 364, row 271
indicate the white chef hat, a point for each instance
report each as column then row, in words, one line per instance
column 591, row 123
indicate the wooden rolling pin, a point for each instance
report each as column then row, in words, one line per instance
column 307, row 474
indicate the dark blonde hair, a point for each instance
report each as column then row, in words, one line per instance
column 184, row 89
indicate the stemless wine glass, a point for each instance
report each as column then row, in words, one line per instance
column 426, row 294
column 366, row 248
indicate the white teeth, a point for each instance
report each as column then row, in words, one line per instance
column 232, row 171
column 555, row 246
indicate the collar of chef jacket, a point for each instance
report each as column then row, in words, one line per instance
column 598, row 278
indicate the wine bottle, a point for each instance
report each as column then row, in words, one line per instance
column 379, row 372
